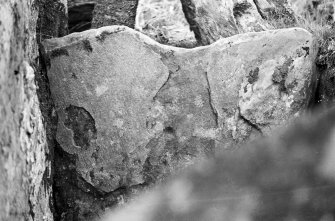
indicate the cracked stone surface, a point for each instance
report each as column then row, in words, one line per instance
column 153, row 109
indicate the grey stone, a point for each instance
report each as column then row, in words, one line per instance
column 114, row 12
column 25, row 163
column 165, row 22
column 133, row 111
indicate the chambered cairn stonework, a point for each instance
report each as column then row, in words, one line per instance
column 115, row 105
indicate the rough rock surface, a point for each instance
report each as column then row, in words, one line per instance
column 131, row 111
column 165, row 22
column 25, row 166
column 217, row 19
column 317, row 10
column 289, row 177
column 114, row 12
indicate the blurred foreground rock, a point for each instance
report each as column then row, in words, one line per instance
column 288, row 177
column 132, row 111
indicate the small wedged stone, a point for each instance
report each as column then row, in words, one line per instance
column 132, row 111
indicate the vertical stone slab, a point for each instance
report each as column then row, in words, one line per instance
column 217, row 19
column 210, row 20
column 25, row 166
column 165, row 22
column 114, row 12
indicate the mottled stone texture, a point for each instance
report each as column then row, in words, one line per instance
column 212, row 20
column 25, row 156
column 289, row 177
column 132, row 111
column 114, row 12
column 165, row 22
column 317, row 10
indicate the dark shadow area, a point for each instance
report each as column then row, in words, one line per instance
column 80, row 17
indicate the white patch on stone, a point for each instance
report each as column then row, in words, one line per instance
column 118, row 123
column 101, row 89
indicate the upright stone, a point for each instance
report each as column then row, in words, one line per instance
column 217, row 19
column 165, row 22
column 25, row 156
column 210, row 21
column 114, row 12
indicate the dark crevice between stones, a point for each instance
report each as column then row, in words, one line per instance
column 189, row 11
column 51, row 22
column 81, row 122
column 80, row 17
column 259, row 9
column 240, row 9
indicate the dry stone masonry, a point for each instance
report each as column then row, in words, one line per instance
column 91, row 119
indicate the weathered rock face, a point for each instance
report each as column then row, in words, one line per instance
column 114, row 12
column 131, row 111
column 165, row 22
column 290, row 177
column 217, row 19
column 25, row 156
column 25, row 185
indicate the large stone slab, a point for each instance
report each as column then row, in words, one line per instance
column 132, row 110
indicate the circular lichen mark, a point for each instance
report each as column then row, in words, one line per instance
column 82, row 124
